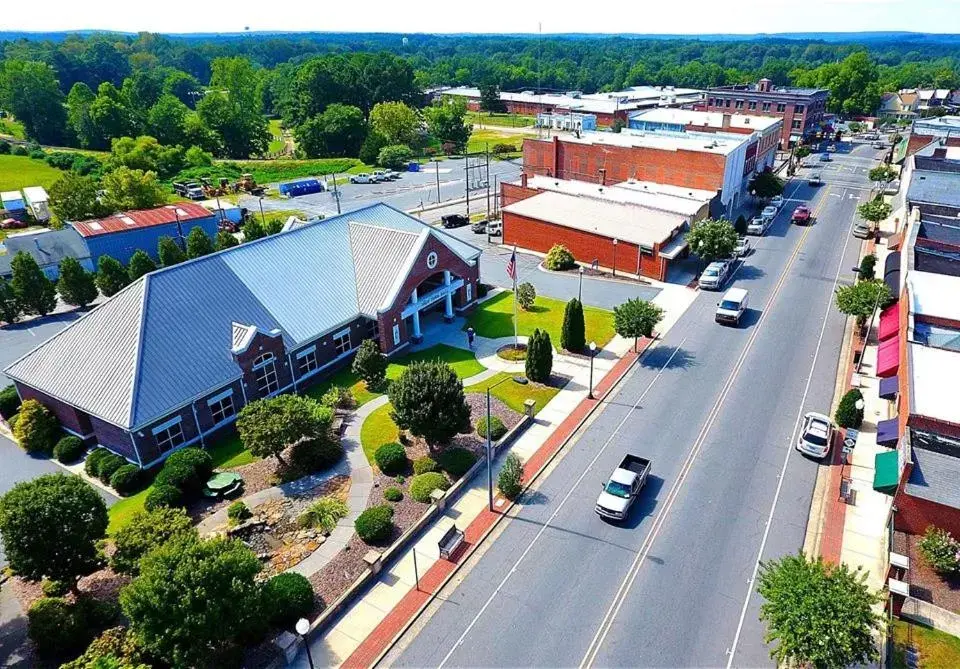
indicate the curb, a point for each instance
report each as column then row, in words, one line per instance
column 628, row 282
column 503, row 513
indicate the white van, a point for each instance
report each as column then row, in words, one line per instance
column 732, row 306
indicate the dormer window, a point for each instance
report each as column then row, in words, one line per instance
column 265, row 372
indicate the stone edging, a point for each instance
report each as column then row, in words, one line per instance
column 630, row 282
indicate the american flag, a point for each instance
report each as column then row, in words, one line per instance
column 512, row 266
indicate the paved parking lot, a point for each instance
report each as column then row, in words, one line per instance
column 20, row 338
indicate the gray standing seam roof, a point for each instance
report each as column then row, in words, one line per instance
column 47, row 247
column 935, row 188
column 166, row 339
column 935, row 477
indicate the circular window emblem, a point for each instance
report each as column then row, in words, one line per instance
column 431, row 260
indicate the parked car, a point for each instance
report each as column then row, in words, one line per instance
column 479, row 227
column 495, row 228
column 454, row 221
column 879, row 145
column 758, row 225
column 861, row 229
column 801, row 215
column 714, row 275
column 362, row 178
column 391, row 175
column 776, row 201
column 816, row 435
column 742, row 248
column 814, row 179
column 623, row 487
column 825, row 158
column 380, row 176
column 12, row 224
column 732, row 306
column 769, row 211
column 192, row 190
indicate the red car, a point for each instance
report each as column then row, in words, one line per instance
column 12, row 224
column 801, row 215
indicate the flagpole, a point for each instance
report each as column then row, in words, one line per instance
column 516, row 338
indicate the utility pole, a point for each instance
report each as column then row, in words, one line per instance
column 488, row 180
column 336, row 193
column 466, row 180
column 436, row 168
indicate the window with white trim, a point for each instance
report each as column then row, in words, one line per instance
column 265, row 372
column 341, row 342
column 307, row 360
column 169, row 435
column 396, row 335
column 221, row 407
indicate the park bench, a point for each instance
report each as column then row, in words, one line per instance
column 450, row 542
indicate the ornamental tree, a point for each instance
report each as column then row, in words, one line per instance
column 394, row 156
column 50, row 528
column 169, row 252
column 35, row 293
column 146, row 531
column 253, row 229
column 37, row 429
column 539, row 362
column 199, row 243
column 636, row 318
column 140, row 265
column 767, row 185
column 428, row 401
column 194, row 600
column 573, row 333
column 9, row 304
column 711, row 239
column 526, row 295
column 268, row 426
column 874, row 211
column 370, row 364
column 225, row 240
column 76, row 286
column 883, row 174
column 111, row 276
column 819, row 614
column 861, row 298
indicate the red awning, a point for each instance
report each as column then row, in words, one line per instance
column 888, row 357
column 889, row 322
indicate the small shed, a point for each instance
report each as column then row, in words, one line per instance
column 13, row 203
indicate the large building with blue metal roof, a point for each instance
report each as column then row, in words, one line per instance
column 172, row 358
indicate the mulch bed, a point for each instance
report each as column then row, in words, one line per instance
column 588, row 270
column 104, row 585
column 925, row 583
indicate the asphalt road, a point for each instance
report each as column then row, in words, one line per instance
column 716, row 409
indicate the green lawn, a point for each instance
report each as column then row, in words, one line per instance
column 121, row 512
column 515, row 394
column 502, row 120
column 378, row 429
column 937, row 649
column 12, row 128
column 17, row 172
column 272, row 171
column 494, row 318
column 486, row 138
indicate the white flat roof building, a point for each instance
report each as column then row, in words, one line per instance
column 595, row 103
column 705, row 119
column 708, row 142
column 933, row 382
column 934, row 294
column 655, row 196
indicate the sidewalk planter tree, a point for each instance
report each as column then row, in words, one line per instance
column 573, row 334
column 37, row 430
column 867, row 265
column 268, row 426
column 559, row 258
column 539, row 362
column 712, row 240
column 526, row 294
column 766, row 185
column 847, row 414
column 428, row 401
column 370, row 364
column 75, row 285
column 636, row 318
column 818, row 614
column 875, row 211
column 862, row 298
column 940, row 550
column 883, row 174
column 50, row 528
column 510, row 479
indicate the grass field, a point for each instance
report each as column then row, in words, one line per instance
column 17, row 172
column 272, row 171
column 483, row 119
column 494, row 318
column 937, row 649
column 515, row 394
column 486, row 138
column 12, row 128
column 378, row 429
column 276, row 145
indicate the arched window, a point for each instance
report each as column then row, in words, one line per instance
column 265, row 371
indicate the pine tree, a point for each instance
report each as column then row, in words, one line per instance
column 35, row 293
column 111, row 277
column 169, row 252
column 199, row 243
column 9, row 304
column 253, row 229
column 539, row 361
column 573, row 336
column 76, row 286
column 140, row 264
column 225, row 240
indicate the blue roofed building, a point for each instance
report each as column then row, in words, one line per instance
column 170, row 360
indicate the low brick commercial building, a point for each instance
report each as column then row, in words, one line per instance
column 170, row 360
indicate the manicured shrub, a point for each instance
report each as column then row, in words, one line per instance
column 20, row 150
column 559, row 258
column 69, row 449
column 509, row 481
column 483, row 289
column 127, row 479
column 188, row 469
column 526, row 295
column 238, row 512
column 325, row 513
column 12, row 422
column 108, row 467
column 162, row 495
column 395, row 156
column 375, row 525
column 391, row 458
column 497, row 428
column 940, row 550
column 847, row 414
column 421, row 486
column 867, row 264
column 370, row 364
column 456, row 461
column 573, row 335
column 92, row 463
column 393, row 494
column 57, row 628
column 424, row 465
column 9, row 402
column 539, row 363
column 4, row 147
column 37, row 430
column 317, row 454
column 53, row 588
column 499, row 149
column 338, row 397
column 145, row 531
column 289, row 597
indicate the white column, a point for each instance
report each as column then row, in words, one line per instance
column 416, row 326
column 414, row 297
column 448, row 298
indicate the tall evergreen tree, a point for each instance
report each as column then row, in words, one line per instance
column 75, row 285
column 253, row 229
column 199, row 243
column 573, row 336
column 111, row 276
column 539, row 361
column 169, row 252
column 225, row 240
column 33, row 290
column 9, row 304
column 140, row 264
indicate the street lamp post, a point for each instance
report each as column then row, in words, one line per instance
column 263, row 219
column 489, row 446
column 593, row 351
column 580, row 287
column 303, row 626
column 614, row 257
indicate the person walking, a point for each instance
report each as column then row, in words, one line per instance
column 470, row 336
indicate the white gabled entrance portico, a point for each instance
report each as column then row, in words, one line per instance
column 420, row 302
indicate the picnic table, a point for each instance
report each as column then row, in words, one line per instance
column 223, row 484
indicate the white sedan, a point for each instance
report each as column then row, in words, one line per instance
column 816, row 435
column 776, row 201
column 742, row 248
column 769, row 211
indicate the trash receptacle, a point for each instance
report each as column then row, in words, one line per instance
column 413, row 167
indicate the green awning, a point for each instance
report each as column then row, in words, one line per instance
column 886, row 474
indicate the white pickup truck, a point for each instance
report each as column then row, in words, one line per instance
column 623, row 488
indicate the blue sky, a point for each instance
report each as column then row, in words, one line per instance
column 645, row 16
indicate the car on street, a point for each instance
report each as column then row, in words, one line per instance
column 816, row 435
column 495, row 228
column 479, row 227
column 363, row 178
column 454, row 221
column 802, row 215
column 831, row 148
column 623, row 487
column 758, row 225
column 814, row 179
column 742, row 248
column 382, row 175
column 776, row 201
column 732, row 307
column 714, row 275
column 861, row 229
column 825, row 158
column 769, row 211
column 391, row 175
column 879, row 145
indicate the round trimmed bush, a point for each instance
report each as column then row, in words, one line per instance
column 163, row 495
column 9, row 402
column 375, row 525
column 69, row 449
column 393, row 494
column 424, row 465
column 456, row 461
column 187, row 469
column 391, row 458
column 238, row 512
column 847, row 414
column 56, row 628
column 92, row 463
column 126, row 480
column 497, row 428
column 421, row 486
column 37, row 429
column 290, row 597
column 559, row 258
column 108, row 467
column 510, row 479
column 314, row 455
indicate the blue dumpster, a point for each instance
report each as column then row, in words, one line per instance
column 413, row 167
column 297, row 187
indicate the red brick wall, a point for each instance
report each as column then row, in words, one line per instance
column 69, row 417
column 936, row 320
column 915, row 515
column 510, row 193
column 115, row 438
column 326, row 352
column 263, row 343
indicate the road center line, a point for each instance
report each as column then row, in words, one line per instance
column 607, row 623
column 547, row 525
